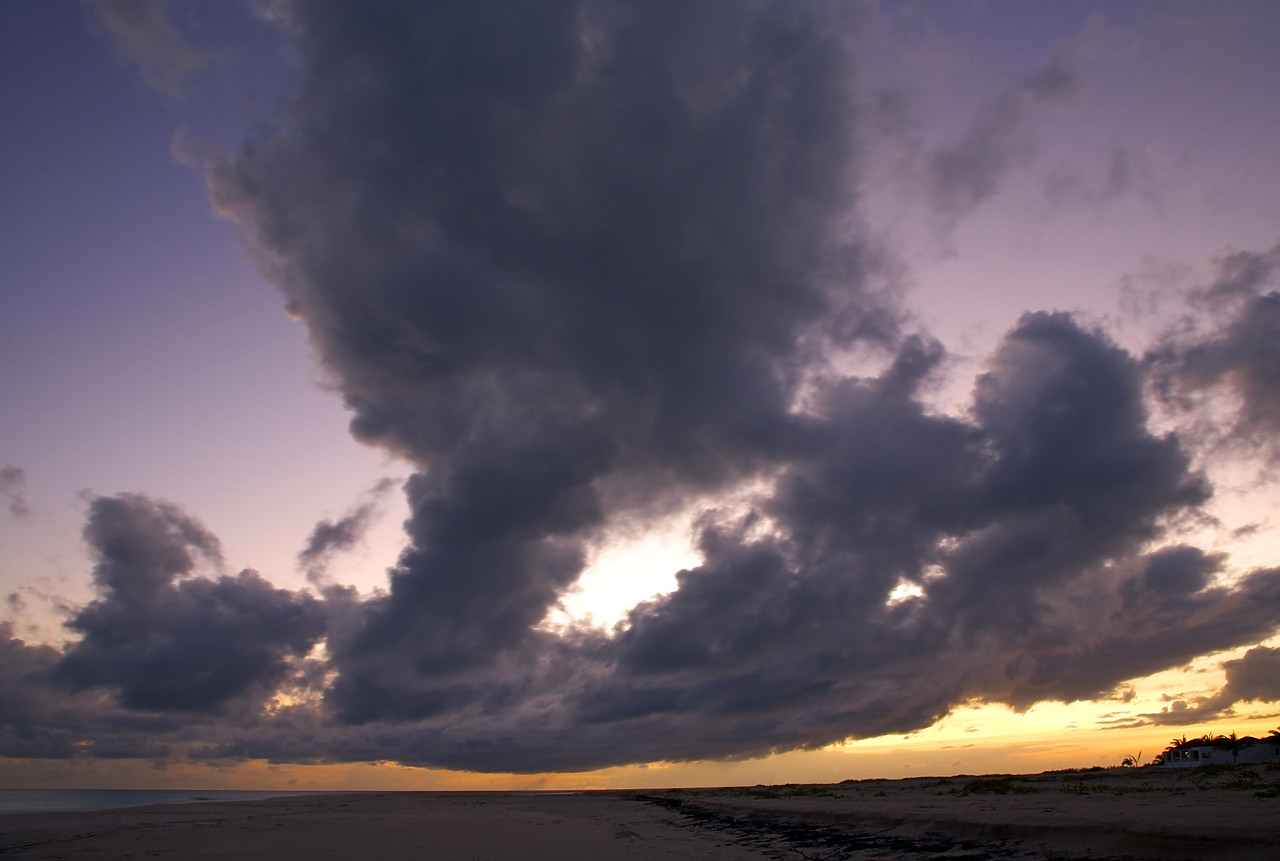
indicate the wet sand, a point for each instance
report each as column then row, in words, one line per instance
column 1220, row 813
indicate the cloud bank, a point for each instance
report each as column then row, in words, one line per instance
column 585, row 264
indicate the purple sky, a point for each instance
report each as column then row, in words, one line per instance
column 745, row 284
column 141, row 349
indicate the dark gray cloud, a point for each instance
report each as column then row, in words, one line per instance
column 166, row 640
column 588, row 263
column 23, row 669
column 1255, row 676
column 13, row 487
column 573, row 283
column 586, row 275
column 40, row 719
column 1025, row 526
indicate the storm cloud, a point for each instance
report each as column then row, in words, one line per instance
column 586, row 281
column 589, row 264
column 163, row 640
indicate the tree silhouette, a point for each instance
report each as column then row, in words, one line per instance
column 1232, row 743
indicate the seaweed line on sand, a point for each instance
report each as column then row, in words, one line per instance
column 786, row 836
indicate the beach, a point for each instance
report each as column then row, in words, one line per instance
column 1152, row 813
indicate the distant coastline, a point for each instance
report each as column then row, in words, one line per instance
column 90, row 800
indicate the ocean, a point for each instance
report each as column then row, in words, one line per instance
column 67, row 800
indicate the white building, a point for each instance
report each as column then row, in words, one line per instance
column 1200, row 752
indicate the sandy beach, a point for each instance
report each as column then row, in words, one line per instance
column 1211, row 813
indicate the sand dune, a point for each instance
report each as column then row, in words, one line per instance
column 1226, row 813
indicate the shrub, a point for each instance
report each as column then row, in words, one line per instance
column 995, row 786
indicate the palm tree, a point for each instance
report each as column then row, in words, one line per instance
column 1174, row 744
column 1232, row 743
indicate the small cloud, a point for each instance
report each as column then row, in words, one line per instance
column 1057, row 77
column 1120, row 173
column 13, row 482
column 965, row 174
column 144, row 36
column 1119, row 720
column 1247, row 531
column 329, row 537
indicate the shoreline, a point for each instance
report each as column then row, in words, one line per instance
column 1227, row 812
column 14, row 802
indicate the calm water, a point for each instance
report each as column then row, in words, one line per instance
column 52, row 800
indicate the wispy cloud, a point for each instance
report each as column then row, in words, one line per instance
column 145, row 36
column 13, row 487
column 961, row 175
column 330, row 537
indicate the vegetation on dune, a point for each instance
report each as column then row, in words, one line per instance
column 995, row 786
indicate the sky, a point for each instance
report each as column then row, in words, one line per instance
column 583, row 393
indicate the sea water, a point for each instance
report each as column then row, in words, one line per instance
column 68, row 800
